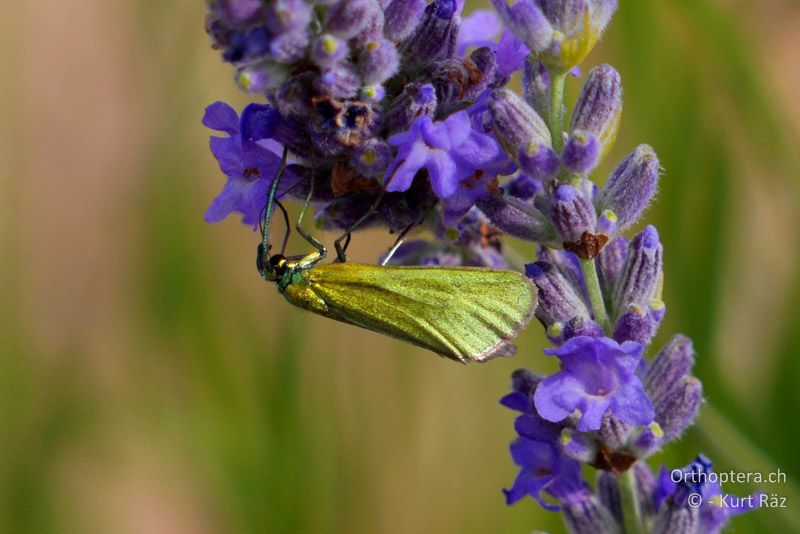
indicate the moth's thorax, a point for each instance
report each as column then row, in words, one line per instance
column 296, row 289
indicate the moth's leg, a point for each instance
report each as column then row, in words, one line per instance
column 287, row 225
column 342, row 249
column 314, row 257
column 401, row 238
column 399, row 241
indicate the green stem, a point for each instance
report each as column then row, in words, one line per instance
column 595, row 294
column 631, row 512
column 556, row 119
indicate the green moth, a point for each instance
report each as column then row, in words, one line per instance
column 466, row 314
column 463, row 313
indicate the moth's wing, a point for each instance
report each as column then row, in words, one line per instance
column 466, row 314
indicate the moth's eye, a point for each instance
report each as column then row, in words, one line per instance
column 277, row 262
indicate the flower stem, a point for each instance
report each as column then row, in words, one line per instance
column 595, row 294
column 556, row 119
column 631, row 512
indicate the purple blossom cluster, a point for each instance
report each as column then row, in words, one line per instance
column 396, row 113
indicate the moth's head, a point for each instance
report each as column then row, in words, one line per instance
column 271, row 268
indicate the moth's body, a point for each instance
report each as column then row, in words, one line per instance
column 466, row 314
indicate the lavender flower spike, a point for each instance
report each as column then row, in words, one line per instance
column 597, row 377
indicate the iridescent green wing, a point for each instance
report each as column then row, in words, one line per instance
column 466, row 314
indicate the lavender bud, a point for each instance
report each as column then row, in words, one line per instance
column 538, row 160
column 564, row 14
column 670, row 365
column 459, row 79
column 251, row 45
column 339, row 81
column 631, row 186
column 674, row 517
column 289, row 47
column 415, row 100
column 401, row 17
column 578, row 25
column 581, row 153
column 287, row 16
column 676, row 411
column 372, row 93
column 525, row 381
column 378, row 62
column 524, row 187
column 295, row 95
column 614, row 433
column 328, row 50
column 515, row 123
column 434, row 38
column 599, row 106
column 572, row 213
column 580, row 327
column 372, row 158
column 642, row 273
column 517, row 218
column 577, row 445
column 536, row 84
column 645, row 488
column 567, row 264
column 558, row 300
column 648, row 441
column 609, row 494
column 589, row 516
column 348, row 19
column 607, row 223
column 237, row 13
column 526, row 20
column 611, row 263
column 261, row 77
column 639, row 324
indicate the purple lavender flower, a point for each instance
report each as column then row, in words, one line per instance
column 451, row 151
column 245, row 159
column 597, row 376
column 711, row 513
column 479, row 28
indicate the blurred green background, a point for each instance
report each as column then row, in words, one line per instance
column 151, row 382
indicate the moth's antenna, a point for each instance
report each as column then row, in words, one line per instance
column 273, row 193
